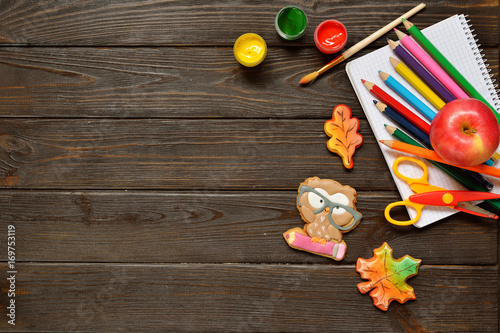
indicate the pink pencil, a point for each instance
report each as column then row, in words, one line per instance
column 431, row 65
column 299, row 240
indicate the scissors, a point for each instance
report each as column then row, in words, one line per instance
column 430, row 195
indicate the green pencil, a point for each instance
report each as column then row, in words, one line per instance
column 446, row 65
column 449, row 170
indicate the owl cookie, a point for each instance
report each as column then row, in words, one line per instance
column 329, row 210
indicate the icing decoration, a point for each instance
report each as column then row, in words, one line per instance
column 298, row 239
column 343, row 131
column 328, row 209
column 387, row 277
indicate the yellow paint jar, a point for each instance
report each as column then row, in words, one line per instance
column 250, row 49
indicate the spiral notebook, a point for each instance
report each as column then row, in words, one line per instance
column 456, row 41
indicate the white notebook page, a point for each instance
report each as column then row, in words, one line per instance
column 454, row 40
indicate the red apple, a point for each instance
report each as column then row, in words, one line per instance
column 465, row 132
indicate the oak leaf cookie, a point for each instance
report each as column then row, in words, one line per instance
column 343, row 132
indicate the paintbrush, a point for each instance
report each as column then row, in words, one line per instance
column 309, row 78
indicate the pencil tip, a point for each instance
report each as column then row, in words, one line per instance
column 394, row 61
column 403, row 19
column 363, row 80
column 375, row 101
column 390, row 129
column 383, row 75
column 392, row 43
column 388, row 143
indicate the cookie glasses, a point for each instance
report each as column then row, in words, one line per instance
column 321, row 202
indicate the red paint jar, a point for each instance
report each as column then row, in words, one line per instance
column 330, row 36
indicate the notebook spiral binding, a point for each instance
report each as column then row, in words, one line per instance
column 482, row 62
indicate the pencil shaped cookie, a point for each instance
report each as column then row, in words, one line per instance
column 298, row 239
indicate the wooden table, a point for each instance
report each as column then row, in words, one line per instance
column 149, row 176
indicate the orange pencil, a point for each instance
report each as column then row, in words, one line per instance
column 400, row 108
column 433, row 156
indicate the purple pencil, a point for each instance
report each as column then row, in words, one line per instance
column 421, row 71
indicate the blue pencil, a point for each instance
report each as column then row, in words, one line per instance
column 401, row 121
column 407, row 95
column 423, row 139
column 413, row 100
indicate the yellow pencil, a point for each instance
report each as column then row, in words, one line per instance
column 418, row 84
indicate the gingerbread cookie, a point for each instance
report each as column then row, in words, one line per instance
column 343, row 130
column 328, row 209
column 387, row 277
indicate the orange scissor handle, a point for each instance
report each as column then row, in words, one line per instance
column 418, row 208
column 418, row 185
column 409, row 180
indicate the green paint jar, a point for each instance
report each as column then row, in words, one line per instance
column 291, row 23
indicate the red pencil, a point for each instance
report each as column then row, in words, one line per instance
column 400, row 108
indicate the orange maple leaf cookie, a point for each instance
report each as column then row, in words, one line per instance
column 387, row 277
column 343, row 132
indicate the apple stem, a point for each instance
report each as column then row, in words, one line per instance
column 469, row 131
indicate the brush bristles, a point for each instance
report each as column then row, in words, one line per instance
column 309, row 78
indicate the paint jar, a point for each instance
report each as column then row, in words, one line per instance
column 291, row 23
column 330, row 36
column 250, row 49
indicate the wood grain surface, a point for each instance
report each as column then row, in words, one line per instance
column 245, row 298
column 188, row 82
column 217, row 227
column 150, row 177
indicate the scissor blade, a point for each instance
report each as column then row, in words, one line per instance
column 450, row 198
column 474, row 210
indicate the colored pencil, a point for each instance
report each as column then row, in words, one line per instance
column 431, row 65
column 420, row 86
column 470, row 179
column 448, row 67
column 402, row 122
column 400, row 108
column 432, row 155
column 448, row 169
column 424, row 74
column 415, row 102
column 407, row 95
column 309, row 78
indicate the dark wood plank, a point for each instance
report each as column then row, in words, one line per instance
column 213, row 227
column 172, row 83
column 244, row 298
column 198, row 22
column 179, row 154
column 150, row 188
